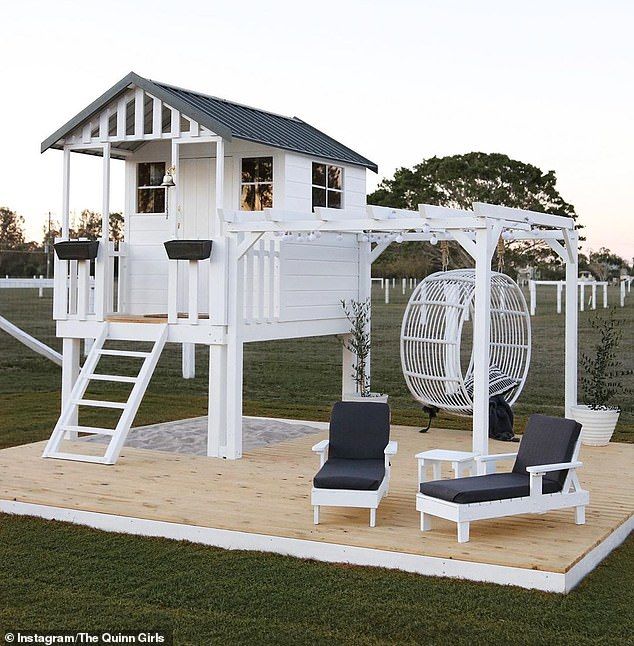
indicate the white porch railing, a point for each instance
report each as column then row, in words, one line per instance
column 260, row 283
column 78, row 294
column 193, row 295
column 261, row 272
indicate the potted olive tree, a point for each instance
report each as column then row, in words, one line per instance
column 358, row 343
column 601, row 382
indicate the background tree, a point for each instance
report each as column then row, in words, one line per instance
column 605, row 265
column 17, row 257
column 87, row 225
column 11, row 228
column 457, row 181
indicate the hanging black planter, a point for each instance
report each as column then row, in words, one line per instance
column 188, row 249
column 77, row 249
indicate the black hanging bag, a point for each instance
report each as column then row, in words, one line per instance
column 501, row 420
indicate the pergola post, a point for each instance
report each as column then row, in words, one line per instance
column 571, row 344
column 101, row 264
column 481, row 333
column 66, row 194
column 365, row 294
column 219, row 262
column 218, row 369
column 172, row 267
column 233, row 449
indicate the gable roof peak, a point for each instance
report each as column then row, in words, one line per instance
column 227, row 119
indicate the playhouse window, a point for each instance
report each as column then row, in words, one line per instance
column 256, row 183
column 150, row 195
column 327, row 186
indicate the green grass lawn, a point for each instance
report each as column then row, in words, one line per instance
column 58, row 576
column 293, row 378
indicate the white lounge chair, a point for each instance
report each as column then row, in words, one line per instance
column 355, row 460
column 543, row 478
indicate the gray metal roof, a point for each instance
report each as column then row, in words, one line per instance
column 227, row 119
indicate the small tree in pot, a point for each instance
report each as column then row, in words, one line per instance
column 358, row 343
column 601, row 382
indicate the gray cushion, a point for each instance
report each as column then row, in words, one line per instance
column 495, row 486
column 359, row 430
column 339, row 473
column 547, row 440
column 499, row 382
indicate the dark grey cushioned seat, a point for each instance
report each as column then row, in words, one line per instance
column 359, row 433
column 359, row 430
column 495, row 486
column 341, row 473
column 546, row 440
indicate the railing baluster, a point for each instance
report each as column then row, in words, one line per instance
column 193, row 292
column 271, row 277
column 261, row 281
column 83, row 277
column 72, row 288
column 172, row 291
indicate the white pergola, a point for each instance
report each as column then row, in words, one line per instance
column 477, row 232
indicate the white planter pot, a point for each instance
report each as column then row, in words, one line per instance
column 597, row 425
column 372, row 398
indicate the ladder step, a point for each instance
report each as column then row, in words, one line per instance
column 122, row 378
column 93, row 430
column 79, row 457
column 100, row 403
column 124, row 353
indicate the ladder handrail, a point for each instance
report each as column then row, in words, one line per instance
column 129, row 408
column 135, row 398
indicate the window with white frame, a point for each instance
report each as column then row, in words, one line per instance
column 327, row 186
column 150, row 195
column 256, row 183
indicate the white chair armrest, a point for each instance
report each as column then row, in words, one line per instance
column 495, row 457
column 546, row 468
column 321, row 447
column 391, row 448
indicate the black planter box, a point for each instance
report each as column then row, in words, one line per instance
column 188, row 249
column 77, row 249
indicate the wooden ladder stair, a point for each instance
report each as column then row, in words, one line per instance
column 129, row 408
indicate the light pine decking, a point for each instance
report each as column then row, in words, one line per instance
column 268, row 492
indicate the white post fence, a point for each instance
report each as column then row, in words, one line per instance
column 559, row 284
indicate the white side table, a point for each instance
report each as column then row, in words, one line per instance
column 462, row 463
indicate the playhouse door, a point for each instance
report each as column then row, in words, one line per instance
column 195, row 219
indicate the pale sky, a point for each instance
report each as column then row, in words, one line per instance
column 546, row 82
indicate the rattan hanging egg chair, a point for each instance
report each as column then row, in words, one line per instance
column 436, row 340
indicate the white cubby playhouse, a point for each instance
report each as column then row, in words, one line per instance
column 284, row 206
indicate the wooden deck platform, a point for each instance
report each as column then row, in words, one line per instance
column 263, row 502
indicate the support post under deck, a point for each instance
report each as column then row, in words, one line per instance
column 217, row 404
column 71, row 351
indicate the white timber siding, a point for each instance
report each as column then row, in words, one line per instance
column 298, row 184
column 145, row 234
column 316, row 276
column 299, row 281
